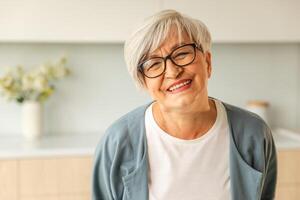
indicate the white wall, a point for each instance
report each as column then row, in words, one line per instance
column 262, row 71
column 100, row 89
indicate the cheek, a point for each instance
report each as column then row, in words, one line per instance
column 202, row 69
column 197, row 71
column 200, row 75
column 154, row 85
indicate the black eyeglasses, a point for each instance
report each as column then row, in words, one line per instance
column 181, row 56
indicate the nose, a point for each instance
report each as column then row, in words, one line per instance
column 172, row 70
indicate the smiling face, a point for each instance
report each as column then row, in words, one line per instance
column 180, row 87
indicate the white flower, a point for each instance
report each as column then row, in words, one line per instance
column 19, row 71
column 59, row 71
column 27, row 82
column 45, row 69
column 40, row 83
column 36, row 84
column 7, row 81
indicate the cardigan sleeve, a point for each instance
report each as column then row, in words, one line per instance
column 101, row 180
column 269, row 186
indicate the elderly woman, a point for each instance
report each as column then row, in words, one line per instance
column 184, row 145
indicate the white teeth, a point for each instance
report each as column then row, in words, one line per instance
column 179, row 85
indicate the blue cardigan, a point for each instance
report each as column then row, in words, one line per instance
column 120, row 170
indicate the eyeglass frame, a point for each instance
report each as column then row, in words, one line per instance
column 194, row 45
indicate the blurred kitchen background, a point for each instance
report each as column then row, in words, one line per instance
column 100, row 89
column 255, row 53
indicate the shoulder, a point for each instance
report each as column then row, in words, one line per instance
column 128, row 129
column 133, row 120
column 246, row 122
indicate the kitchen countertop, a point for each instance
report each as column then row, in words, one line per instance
column 84, row 144
column 48, row 145
column 286, row 139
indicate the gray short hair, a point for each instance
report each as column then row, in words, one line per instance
column 152, row 34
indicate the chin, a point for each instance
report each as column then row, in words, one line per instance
column 180, row 103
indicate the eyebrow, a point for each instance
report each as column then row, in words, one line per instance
column 172, row 49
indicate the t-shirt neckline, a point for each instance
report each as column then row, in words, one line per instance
column 210, row 133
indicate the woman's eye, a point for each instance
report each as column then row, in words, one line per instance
column 181, row 55
column 153, row 66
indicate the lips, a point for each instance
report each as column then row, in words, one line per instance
column 179, row 85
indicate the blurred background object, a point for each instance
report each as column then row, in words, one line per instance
column 31, row 88
column 259, row 107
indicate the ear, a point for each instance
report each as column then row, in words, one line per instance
column 208, row 62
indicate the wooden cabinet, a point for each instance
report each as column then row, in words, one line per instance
column 288, row 192
column 69, row 178
column 288, row 184
column 40, row 198
column 62, row 178
column 60, row 197
column 75, row 176
column 38, row 177
column 8, row 179
column 75, row 197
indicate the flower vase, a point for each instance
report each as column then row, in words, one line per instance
column 32, row 122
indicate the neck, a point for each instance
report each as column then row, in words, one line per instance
column 186, row 124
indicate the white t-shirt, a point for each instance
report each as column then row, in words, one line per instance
column 189, row 169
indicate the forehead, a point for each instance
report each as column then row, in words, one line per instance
column 173, row 40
